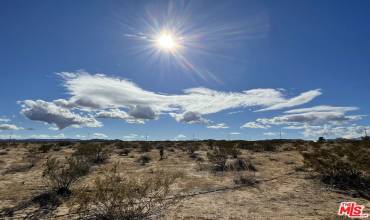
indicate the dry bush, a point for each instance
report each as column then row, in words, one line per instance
column 64, row 143
column 120, row 198
column 18, row 167
column 161, row 152
column 60, row 177
column 245, row 180
column 94, row 153
column 44, row 148
column 124, row 152
column 3, row 152
column 345, row 166
column 144, row 159
column 218, row 159
column 239, row 164
column 220, row 155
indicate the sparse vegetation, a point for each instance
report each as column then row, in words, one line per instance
column 94, row 153
column 144, row 159
column 245, row 180
column 60, row 177
column 342, row 165
column 119, row 198
column 44, row 148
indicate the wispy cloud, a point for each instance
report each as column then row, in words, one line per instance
column 316, row 121
column 253, row 124
column 180, row 137
column 218, row 126
column 100, row 135
column 8, row 127
column 102, row 96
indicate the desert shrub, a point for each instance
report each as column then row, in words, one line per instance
column 344, row 166
column 95, row 153
column 245, row 180
column 218, row 159
column 234, row 151
column 144, row 159
column 124, row 152
column 64, row 143
column 122, row 198
column 44, row 148
column 3, row 152
column 321, row 140
column 18, row 167
column 239, row 164
column 60, row 177
column 161, row 152
column 219, row 155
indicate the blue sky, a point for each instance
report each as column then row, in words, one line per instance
column 238, row 70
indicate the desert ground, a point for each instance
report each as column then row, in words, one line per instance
column 278, row 184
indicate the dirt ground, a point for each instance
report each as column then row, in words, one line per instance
column 284, row 190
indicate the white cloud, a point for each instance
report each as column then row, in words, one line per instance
column 4, row 136
column 234, row 133
column 329, row 121
column 52, row 114
column 112, row 97
column 119, row 114
column 143, row 112
column 190, row 118
column 253, row 124
column 3, row 119
column 218, row 126
column 234, row 112
column 131, row 136
column 298, row 100
column 7, row 127
column 329, row 131
column 100, row 135
column 273, row 133
column 47, row 136
column 180, row 137
column 322, row 108
column 313, row 116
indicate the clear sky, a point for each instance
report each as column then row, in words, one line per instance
column 183, row 69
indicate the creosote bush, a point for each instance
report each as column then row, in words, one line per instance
column 144, row 159
column 239, row 164
column 122, row 198
column 245, row 180
column 60, row 177
column 94, row 153
column 44, row 148
column 343, row 165
column 219, row 156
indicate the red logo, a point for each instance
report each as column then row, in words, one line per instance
column 352, row 210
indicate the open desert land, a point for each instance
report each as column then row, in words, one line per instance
column 257, row 182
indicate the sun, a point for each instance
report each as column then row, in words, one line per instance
column 167, row 41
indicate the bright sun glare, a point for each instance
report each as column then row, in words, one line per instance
column 166, row 41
